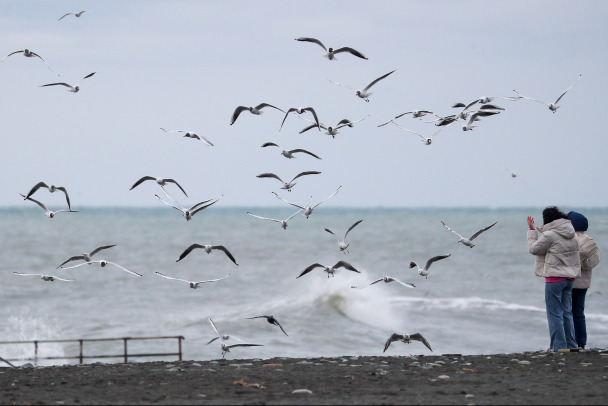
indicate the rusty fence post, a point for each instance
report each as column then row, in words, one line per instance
column 80, row 350
column 179, row 340
column 126, row 353
column 36, row 353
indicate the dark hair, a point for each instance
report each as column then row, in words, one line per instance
column 553, row 213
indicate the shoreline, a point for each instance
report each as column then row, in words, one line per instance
column 518, row 378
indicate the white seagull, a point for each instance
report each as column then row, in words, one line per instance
column 28, row 54
column 270, row 319
column 414, row 113
column 87, row 255
column 161, row 181
column 331, row 270
column 468, row 241
column 226, row 348
column 50, row 214
column 333, row 131
column 364, row 94
column 282, row 222
column 308, row 209
column 193, row 284
column 78, row 14
column 332, row 52
column 51, row 189
column 475, row 117
column 386, row 279
column 208, row 248
column 301, row 110
column 48, row 278
column 257, row 110
column 425, row 270
column 552, row 106
column 342, row 242
column 72, row 88
column 289, row 153
column 290, row 184
column 406, row 338
column 191, row 134
column 425, row 140
column 103, row 263
column 189, row 213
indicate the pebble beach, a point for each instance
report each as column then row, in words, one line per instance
column 518, row 378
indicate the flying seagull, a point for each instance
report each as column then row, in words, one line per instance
column 87, row 255
column 468, row 241
column 365, row 93
column 78, row 14
column 257, row 110
column 28, row 54
column 50, row 214
column 301, row 110
column 290, row 184
column 226, row 348
column 342, row 242
column 191, row 134
column 51, row 189
column 161, row 181
column 282, row 222
column 331, row 130
column 271, row 320
column 289, row 153
column 308, row 209
column 189, row 213
column 103, row 263
column 406, row 338
column 331, row 270
column 331, row 52
column 425, row 271
column 552, row 106
column 208, row 249
column 386, row 279
column 72, row 88
column 425, row 140
column 193, row 284
column 48, row 278
column 475, row 117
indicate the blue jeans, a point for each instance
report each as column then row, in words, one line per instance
column 558, row 300
column 578, row 313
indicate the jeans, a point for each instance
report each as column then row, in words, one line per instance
column 578, row 312
column 558, row 300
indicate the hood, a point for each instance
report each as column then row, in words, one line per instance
column 563, row 227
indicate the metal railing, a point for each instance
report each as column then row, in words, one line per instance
column 81, row 357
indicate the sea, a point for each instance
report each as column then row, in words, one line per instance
column 481, row 300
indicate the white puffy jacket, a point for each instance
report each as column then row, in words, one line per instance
column 556, row 250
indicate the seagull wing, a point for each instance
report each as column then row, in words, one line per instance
column 286, row 114
column 140, row 181
column 35, row 188
column 60, row 83
column 78, row 265
column 12, row 53
column 418, row 337
column 212, row 280
column 61, row 279
column 28, row 274
column 204, row 140
column 262, row 105
column 376, row 81
column 216, row 331
column 172, row 131
column 293, row 215
column 310, row 268
column 451, row 230
column 314, row 115
column 311, row 127
column 565, row 91
column 89, row 75
column 313, row 40
column 244, row 345
column 67, row 197
column 344, row 264
column 364, row 286
column 304, row 151
column 529, row 98
column 75, row 258
column 305, row 173
column 269, row 175
column 393, row 337
column 430, row 261
column 123, row 268
column 481, row 231
column 189, row 250
column 270, row 144
column 281, row 327
column 351, row 227
column 342, row 84
column 410, row 131
column 169, row 204
column 236, row 113
column 196, row 209
column 293, row 204
column 168, row 277
column 351, row 50
column 222, row 248
column 35, row 201
column 96, row 250
column 263, row 218
column 178, row 185
column 65, row 15
column 409, row 285
column 328, row 197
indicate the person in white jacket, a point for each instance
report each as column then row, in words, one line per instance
column 590, row 257
column 557, row 260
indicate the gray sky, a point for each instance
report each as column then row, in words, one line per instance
column 182, row 64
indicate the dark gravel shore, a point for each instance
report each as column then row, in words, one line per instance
column 530, row 378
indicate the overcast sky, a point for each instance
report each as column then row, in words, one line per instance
column 181, row 64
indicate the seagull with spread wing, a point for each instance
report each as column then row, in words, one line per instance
column 71, row 88
column 208, row 249
column 289, row 153
column 87, row 255
column 469, row 241
column 48, row 278
column 552, row 106
column 49, row 213
column 330, row 51
column 307, row 210
column 103, row 263
column 342, row 245
column 425, row 270
column 223, row 338
column 193, row 284
column 331, row 270
column 406, row 338
column 51, row 189
column 290, row 184
column 257, row 110
column 270, row 319
column 283, row 223
column 29, row 54
column 364, row 93
column 386, row 279
column 191, row 134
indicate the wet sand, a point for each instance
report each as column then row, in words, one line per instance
column 529, row 378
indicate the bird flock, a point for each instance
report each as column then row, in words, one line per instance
column 467, row 114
